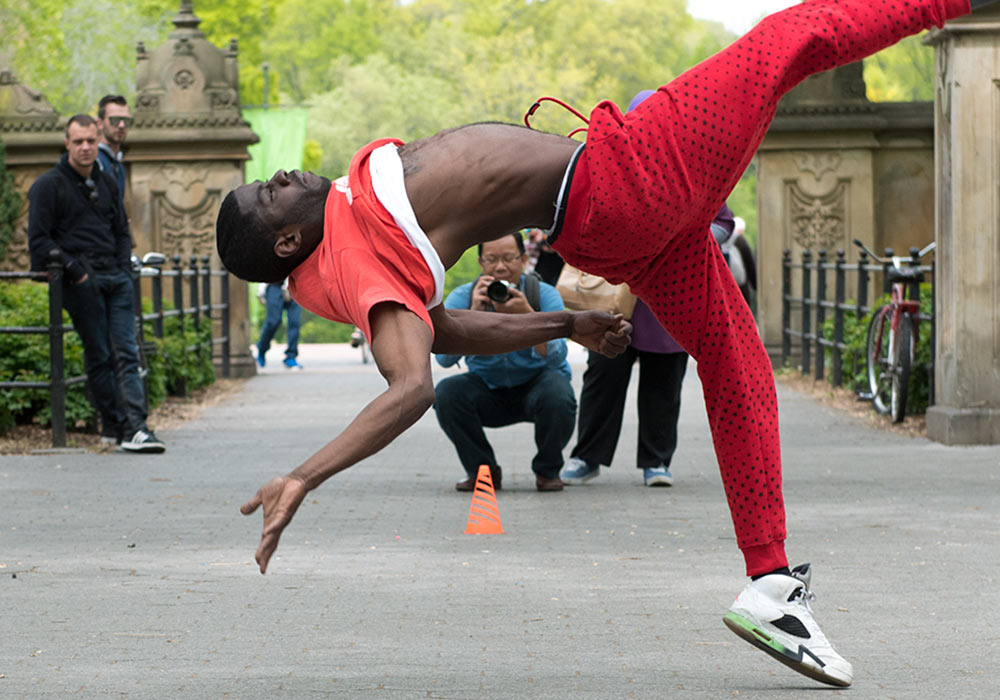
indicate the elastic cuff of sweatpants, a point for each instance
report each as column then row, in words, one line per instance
column 764, row 558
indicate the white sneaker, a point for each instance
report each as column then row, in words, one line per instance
column 773, row 614
column 579, row 472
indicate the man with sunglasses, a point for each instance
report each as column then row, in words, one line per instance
column 531, row 385
column 113, row 123
column 76, row 214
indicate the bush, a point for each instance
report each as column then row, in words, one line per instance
column 856, row 338
column 23, row 357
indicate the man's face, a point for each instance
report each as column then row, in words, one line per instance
column 81, row 144
column 287, row 198
column 503, row 260
column 114, row 127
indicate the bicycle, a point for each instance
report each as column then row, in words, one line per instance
column 889, row 361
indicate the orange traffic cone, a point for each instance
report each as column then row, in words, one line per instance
column 484, row 514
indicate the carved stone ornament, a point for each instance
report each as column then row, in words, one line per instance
column 817, row 164
column 187, row 81
column 23, row 109
column 818, row 221
column 186, row 230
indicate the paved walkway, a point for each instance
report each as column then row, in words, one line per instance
column 125, row 576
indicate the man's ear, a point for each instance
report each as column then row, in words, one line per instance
column 287, row 242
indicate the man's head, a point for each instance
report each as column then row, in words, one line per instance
column 113, row 120
column 266, row 229
column 503, row 258
column 81, row 142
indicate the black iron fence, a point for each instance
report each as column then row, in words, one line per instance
column 803, row 316
column 195, row 307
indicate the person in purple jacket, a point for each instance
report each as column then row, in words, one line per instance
column 662, row 364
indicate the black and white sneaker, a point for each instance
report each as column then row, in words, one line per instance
column 773, row 614
column 143, row 441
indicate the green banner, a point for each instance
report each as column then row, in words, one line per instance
column 282, row 135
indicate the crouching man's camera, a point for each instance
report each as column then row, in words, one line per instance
column 498, row 291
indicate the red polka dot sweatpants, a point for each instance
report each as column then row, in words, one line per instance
column 647, row 185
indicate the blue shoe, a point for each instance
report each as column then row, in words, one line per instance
column 578, row 472
column 290, row 363
column 260, row 359
column 659, row 476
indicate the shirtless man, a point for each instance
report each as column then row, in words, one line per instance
column 632, row 205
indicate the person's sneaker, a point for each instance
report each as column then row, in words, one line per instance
column 579, row 472
column 658, row 476
column 773, row 614
column 290, row 363
column 143, row 441
column 261, row 361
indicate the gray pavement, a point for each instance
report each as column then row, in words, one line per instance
column 125, row 576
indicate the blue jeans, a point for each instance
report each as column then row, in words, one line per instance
column 276, row 305
column 103, row 313
column 465, row 405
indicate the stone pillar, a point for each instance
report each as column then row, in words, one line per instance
column 187, row 149
column 32, row 133
column 967, row 147
column 833, row 167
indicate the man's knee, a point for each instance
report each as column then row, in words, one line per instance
column 553, row 395
column 452, row 394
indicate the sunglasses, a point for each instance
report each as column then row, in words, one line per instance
column 120, row 121
column 92, row 186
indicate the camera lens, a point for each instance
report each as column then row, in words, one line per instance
column 498, row 291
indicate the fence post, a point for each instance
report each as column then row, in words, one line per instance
column 57, row 372
column 197, row 306
column 840, row 285
column 225, row 323
column 786, row 306
column 206, row 300
column 179, row 306
column 862, row 285
column 806, row 319
column 933, row 339
column 820, row 312
column 157, row 289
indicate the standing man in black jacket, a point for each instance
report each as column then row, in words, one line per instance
column 76, row 210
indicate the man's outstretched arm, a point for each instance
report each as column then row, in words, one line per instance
column 462, row 332
column 401, row 345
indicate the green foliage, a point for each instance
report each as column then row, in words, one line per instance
column 901, row 73
column 856, row 338
column 25, row 358
column 10, row 203
column 76, row 51
column 312, row 156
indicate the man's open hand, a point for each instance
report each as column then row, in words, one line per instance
column 602, row 332
column 281, row 497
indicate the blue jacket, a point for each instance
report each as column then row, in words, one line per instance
column 111, row 163
column 513, row 368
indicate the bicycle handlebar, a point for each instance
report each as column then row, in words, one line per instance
column 896, row 260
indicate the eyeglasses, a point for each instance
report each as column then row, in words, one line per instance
column 507, row 258
column 93, row 189
column 119, row 121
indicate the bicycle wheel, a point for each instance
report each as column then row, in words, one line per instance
column 877, row 359
column 901, row 368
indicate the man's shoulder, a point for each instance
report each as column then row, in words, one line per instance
column 51, row 178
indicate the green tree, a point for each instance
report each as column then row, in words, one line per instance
column 901, row 73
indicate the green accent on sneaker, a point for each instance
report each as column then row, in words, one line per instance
column 753, row 632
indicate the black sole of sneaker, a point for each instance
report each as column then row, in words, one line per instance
column 770, row 646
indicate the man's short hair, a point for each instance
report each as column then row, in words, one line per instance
column 82, row 120
column 517, row 237
column 102, row 106
column 246, row 245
